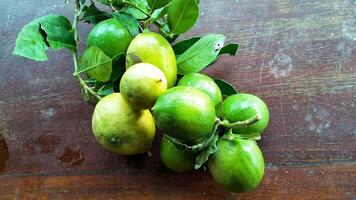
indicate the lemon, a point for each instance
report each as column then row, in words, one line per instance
column 121, row 129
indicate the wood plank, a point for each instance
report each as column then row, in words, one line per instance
column 299, row 56
column 317, row 182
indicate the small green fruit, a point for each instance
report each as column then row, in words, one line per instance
column 175, row 159
column 150, row 47
column 185, row 113
column 203, row 83
column 110, row 36
column 240, row 107
column 142, row 84
column 238, row 165
column 121, row 129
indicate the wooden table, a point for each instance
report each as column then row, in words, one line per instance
column 298, row 55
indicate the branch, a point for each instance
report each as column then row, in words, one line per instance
column 78, row 10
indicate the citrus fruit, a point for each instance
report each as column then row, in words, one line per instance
column 238, row 165
column 110, row 36
column 121, row 129
column 203, row 83
column 175, row 159
column 142, row 84
column 185, row 113
column 149, row 47
column 240, row 107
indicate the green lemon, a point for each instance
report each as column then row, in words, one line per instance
column 121, row 129
column 142, row 84
column 203, row 83
column 238, row 165
column 175, row 159
column 185, row 113
column 150, row 47
column 110, row 36
column 240, row 107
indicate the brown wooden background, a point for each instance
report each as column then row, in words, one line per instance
column 299, row 55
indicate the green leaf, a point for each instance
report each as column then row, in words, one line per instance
column 118, row 67
column 226, row 88
column 181, row 46
column 196, row 147
column 58, row 37
column 200, row 54
column 155, row 4
column 93, row 15
column 116, row 3
column 128, row 21
column 204, row 155
column 165, row 32
column 31, row 41
column 142, row 4
column 230, row 49
column 159, row 13
column 182, row 15
column 106, row 89
column 105, row 2
column 96, row 63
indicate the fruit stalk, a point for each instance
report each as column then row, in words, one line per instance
column 239, row 124
column 78, row 10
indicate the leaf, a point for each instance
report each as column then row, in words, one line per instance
column 128, row 21
column 142, row 4
column 106, row 89
column 105, row 2
column 155, row 4
column 31, row 41
column 58, row 37
column 93, row 15
column 226, row 88
column 159, row 13
column 182, row 15
column 200, row 54
column 194, row 148
column 96, row 63
column 165, row 32
column 204, row 155
column 115, row 3
column 230, row 49
column 118, row 67
column 182, row 46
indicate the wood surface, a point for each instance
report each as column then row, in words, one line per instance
column 298, row 55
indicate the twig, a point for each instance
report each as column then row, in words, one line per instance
column 78, row 10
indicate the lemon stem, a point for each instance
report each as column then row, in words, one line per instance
column 78, row 10
column 239, row 124
column 113, row 7
column 229, row 135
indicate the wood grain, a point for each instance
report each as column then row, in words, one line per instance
column 299, row 56
column 279, row 182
